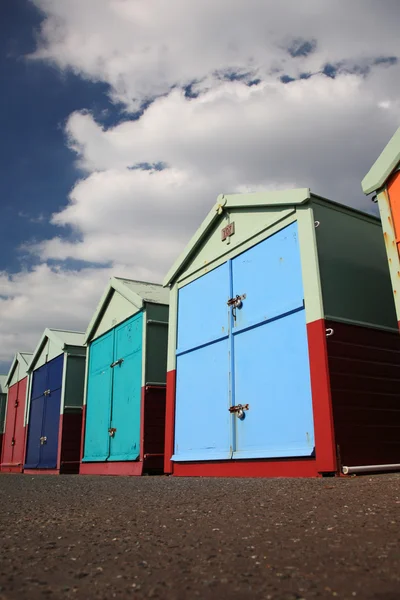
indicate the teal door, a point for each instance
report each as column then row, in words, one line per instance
column 98, row 403
column 125, row 412
column 112, row 428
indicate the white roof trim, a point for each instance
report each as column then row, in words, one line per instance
column 117, row 284
column 55, row 335
column 22, row 358
column 384, row 166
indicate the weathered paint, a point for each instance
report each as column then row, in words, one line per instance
column 388, row 202
column 3, row 402
column 114, row 397
column 12, row 459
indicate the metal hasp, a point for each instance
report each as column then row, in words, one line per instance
column 117, row 362
column 236, row 302
column 43, row 440
column 111, row 431
column 239, row 409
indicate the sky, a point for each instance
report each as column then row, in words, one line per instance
column 121, row 121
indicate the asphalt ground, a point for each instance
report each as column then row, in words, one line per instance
column 163, row 537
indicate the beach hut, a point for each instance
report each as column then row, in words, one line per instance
column 57, row 375
column 283, row 358
column 12, row 458
column 124, row 421
column 383, row 181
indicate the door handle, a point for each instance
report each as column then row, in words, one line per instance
column 43, row 440
column 117, row 362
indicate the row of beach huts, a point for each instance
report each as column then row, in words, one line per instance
column 272, row 349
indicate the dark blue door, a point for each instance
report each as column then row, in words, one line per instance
column 33, row 447
column 50, row 430
column 44, row 415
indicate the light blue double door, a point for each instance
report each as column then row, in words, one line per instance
column 112, row 428
column 250, row 352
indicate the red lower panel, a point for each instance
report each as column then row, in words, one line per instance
column 169, row 422
column 259, row 468
column 41, row 472
column 325, row 449
column 1, row 442
column 11, row 468
column 112, row 468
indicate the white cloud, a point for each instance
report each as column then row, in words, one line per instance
column 320, row 132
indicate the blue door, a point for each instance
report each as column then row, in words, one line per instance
column 202, row 418
column 255, row 353
column 98, row 401
column 127, row 385
column 50, row 430
column 44, row 415
column 271, row 364
column 33, row 446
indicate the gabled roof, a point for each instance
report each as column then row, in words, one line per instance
column 384, row 166
column 60, row 338
column 136, row 292
column 279, row 198
column 22, row 358
column 3, row 379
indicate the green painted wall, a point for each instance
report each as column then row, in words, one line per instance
column 75, row 380
column 353, row 265
column 156, row 344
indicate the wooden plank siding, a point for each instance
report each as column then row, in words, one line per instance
column 364, row 369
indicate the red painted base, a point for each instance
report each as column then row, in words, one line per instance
column 11, row 468
column 112, row 468
column 41, row 472
column 256, row 468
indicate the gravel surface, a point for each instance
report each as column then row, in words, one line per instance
column 160, row 537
